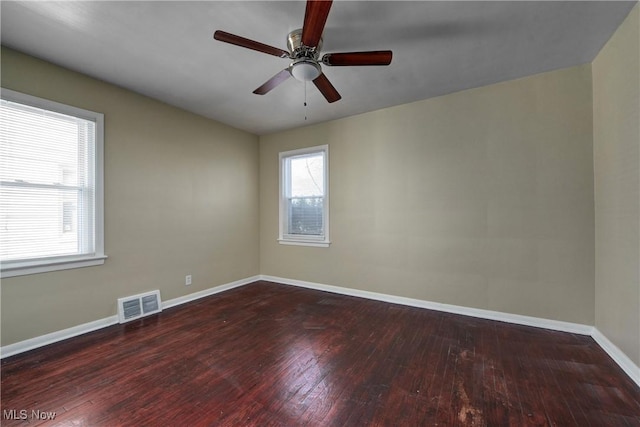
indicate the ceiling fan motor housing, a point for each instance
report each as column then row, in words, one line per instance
column 305, row 66
column 297, row 49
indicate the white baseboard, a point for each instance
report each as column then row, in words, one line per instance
column 555, row 325
column 201, row 294
column 41, row 341
column 617, row 355
column 627, row 365
column 33, row 343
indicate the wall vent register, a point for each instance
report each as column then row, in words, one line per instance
column 137, row 306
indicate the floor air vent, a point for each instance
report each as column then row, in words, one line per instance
column 137, row 306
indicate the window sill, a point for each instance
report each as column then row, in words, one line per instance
column 46, row 265
column 313, row 243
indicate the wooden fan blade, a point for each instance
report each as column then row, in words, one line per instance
column 315, row 17
column 273, row 82
column 326, row 88
column 223, row 36
column 375, row 57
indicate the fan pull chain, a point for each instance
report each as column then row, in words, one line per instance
column 305, row 100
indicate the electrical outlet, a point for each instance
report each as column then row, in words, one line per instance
column 187, row 280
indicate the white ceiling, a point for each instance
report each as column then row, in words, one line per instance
column 165, row 50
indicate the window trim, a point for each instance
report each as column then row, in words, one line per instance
column 15, row 268
column 302, row 240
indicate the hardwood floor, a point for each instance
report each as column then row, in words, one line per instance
column 274, row 355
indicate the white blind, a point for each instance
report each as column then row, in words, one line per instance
column 47, row 183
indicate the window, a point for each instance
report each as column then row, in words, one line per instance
column 50, row 186
column 304, row 197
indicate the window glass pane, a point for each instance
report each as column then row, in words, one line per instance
column 41, row 146
column 307, row 175
column 305, row 215
column 32, row 223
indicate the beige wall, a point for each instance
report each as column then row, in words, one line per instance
column 181, row 197
column 616, row 118
column 482, row 198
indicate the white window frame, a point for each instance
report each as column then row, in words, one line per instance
column 294, row 239
column 14, row 268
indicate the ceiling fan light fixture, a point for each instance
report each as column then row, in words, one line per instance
column 305, row 70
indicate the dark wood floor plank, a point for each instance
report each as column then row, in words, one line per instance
column 273, row 355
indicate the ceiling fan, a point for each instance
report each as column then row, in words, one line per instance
column 304, row 46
